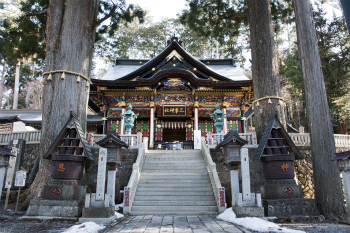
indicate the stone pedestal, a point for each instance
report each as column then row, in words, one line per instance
column 281, row 191
column 290, row 207
column 58, row 202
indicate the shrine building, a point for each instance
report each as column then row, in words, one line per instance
column 173, row 94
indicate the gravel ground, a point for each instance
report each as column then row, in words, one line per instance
column 319, row 227
column 12, row 223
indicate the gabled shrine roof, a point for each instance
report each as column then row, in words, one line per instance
column 274, row 123
column 147, row 71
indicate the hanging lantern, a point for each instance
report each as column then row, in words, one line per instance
column 50, row 77
column 63, row 77
column 269, row 101
column 78, row 79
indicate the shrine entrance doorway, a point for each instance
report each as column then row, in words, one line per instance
column 174, row 135
column 174, row 131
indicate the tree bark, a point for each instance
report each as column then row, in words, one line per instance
column 2, row 81
column 266, row 80
column 342, row 127
column 328, row 191
column 71, row 27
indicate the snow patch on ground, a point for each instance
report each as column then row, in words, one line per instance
column 118, row 206
column 87, row 227
column 255, row 224
column 118, row 215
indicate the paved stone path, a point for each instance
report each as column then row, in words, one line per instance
column 174, row 224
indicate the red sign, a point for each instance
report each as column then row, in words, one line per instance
column 57, row 192
column 288, row 191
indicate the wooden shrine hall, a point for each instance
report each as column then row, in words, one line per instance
column 173, row 94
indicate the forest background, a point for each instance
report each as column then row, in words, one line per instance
column 208, row 29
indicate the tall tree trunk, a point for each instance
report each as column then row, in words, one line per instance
column 342, row 126
column 328, row 191
column 2, row 81
column 71, row 27
column 266, row 80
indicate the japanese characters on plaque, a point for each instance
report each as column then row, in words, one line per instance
column 174, row 111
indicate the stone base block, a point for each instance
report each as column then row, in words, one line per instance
column 248, row 211
column 98, row 220
column 290, row 207
column 64, row 192
column 54, row 208
column 98, row 212
column 281, row 191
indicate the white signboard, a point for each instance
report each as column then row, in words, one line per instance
column 197, row 139
column 11, row 168
column 20, row 180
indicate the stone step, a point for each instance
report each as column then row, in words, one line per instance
column 173, row 158
column 174, row 208
column 173, row 152
column 174, row 166
column 171, row 178
column 161, row 181
column 174, row 198
column 173, row 203
column 175, row 162
column 164, row 189
column 173, row 170
column 174, row 193
column 156, row 185
column 173, row 212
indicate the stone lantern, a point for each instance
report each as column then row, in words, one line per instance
column 64, row 196
column 218, row 117
column 343, row 160
column 244, row 203
column 281, row 195
column 129, row 118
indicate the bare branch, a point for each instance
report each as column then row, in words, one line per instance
column 37, row 13
column 113, row 10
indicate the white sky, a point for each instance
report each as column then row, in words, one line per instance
column 160, row 8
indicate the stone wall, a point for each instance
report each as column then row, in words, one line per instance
column 304, row 173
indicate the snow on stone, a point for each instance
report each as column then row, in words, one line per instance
column 118, row 215
column 87, row 227
column 118, row 206
column 255, row 224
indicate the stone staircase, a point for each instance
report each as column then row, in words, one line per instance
column 174, row 183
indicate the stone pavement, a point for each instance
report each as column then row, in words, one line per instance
column 174, row 224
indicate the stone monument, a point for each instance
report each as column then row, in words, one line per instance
column 245, row 203
column 99, row 207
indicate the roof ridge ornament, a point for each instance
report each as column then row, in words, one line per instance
column 174, row 53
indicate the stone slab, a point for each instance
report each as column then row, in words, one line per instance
column 98, row 212
column 54, row 208
column 290, row 207
column 248, row 211
column 281, row 191
column 98, row 220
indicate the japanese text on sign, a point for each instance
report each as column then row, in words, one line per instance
column 174, row 111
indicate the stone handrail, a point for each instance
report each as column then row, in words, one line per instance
column 303, row 139
column 214, row 139
column 133, row 140
column 130, row 190
column 31, row 137
column 219, row 191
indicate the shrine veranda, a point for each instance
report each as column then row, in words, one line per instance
column 174, row 94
